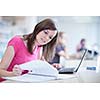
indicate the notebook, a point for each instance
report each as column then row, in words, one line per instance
column 72, row 70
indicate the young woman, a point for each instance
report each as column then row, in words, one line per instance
column 37, row 45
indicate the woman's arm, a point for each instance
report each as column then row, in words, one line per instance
column 5, row 62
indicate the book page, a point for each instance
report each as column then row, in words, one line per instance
column 40, row 71
column 39, row 67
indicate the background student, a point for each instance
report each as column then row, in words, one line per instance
column 82, row 45
column 60, row 51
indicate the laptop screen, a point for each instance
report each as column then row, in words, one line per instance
column 82, row 58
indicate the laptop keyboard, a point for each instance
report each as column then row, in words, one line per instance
column 65, row 70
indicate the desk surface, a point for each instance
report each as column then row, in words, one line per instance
column 85, row 76
column 82, row 76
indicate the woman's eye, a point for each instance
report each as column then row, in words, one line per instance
column 45, row 32
column 50, row 37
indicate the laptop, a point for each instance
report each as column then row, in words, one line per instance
column 72, row 70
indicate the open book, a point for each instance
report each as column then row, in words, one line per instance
column 39, row 71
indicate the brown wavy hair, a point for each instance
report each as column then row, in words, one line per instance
column 49, row 48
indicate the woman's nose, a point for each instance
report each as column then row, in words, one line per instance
column 46, row 38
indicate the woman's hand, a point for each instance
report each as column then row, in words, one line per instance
column 56, row 65
column 17, row 70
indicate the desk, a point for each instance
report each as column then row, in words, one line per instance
column 63, row 78
column 85, row 76
column 82, row 76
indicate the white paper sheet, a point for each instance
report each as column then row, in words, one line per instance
column 41, row 70
column 40, row 67
column 31, row 78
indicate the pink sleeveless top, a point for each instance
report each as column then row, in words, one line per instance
column 21, row 52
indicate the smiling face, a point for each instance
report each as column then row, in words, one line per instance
column 45, row 36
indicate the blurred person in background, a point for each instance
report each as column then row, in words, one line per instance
column 91, row 54
column 60, row 51
column 82, row 45
column 80, row 48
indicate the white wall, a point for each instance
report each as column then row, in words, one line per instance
column 98, row 35
column 74, row 33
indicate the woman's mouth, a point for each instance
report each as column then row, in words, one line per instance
column 43, row 40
